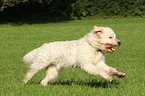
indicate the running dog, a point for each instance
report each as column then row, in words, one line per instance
column 87, row 53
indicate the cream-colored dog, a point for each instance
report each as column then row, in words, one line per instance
column 87, row 53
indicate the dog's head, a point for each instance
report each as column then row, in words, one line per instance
column 104, row 38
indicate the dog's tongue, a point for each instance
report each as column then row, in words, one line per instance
column 108, row 46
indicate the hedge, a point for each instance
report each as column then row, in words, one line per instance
column 109, row 7
column 73, row 9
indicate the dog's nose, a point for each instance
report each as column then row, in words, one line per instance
column 118, row 43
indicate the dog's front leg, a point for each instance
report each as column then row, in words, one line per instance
column 105, row 71
column 113, row 71
column 119, row 74
column 95, row 70
column 90, row 68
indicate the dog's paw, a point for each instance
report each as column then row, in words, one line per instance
column 43, row 83
column 121, row 75
column 25, row 81
column 110, row 79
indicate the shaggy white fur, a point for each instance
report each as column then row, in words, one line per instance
column 87, row 53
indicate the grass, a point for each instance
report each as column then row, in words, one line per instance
column 16, row 39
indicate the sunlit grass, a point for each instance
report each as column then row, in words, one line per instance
column 16, row 39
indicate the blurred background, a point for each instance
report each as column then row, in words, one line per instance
column 52, row 10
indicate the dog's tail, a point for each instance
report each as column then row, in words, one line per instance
column 28, row 58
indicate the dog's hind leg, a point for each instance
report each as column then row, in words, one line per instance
column 30, row 74
column 51, row 73
column 33, row 70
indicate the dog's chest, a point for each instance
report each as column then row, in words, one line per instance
column 99, row 57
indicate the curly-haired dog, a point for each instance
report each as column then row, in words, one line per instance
column 87, row 53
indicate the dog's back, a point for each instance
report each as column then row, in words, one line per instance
column 52, row 50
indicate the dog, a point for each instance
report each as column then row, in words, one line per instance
column 87, row 53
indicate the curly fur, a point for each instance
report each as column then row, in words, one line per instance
column 82, row 53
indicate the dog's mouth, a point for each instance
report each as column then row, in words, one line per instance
column 109, row 48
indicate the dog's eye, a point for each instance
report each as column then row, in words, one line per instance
column 98, row 31
column 110, row 37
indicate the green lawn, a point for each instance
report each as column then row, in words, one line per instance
column 17, row 39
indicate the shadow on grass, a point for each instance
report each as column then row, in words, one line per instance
column 93, row 83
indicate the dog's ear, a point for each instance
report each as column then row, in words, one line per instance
column 97, row 30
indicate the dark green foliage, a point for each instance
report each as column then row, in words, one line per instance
column 1, row 3
column 60, row 8
column 71, row 9
column 109, row 7
column 37, row 11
